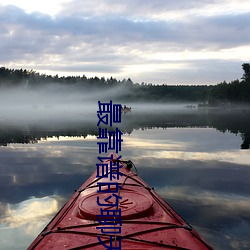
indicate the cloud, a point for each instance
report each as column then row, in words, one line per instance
column 145, row 10
column 92, row 37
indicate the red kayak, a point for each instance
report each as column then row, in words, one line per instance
column 116, row 209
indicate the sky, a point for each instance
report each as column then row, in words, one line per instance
column 152, row 41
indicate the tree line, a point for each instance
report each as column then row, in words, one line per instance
column 236, row 91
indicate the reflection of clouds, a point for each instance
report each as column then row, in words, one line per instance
column 53, row 156
column 222, row 219
column 29, row 212
column 2, row 209
column 152, row 154
column 203, row 144
column 228, row 203
column 69, row 138
column 236, row 156
column 226, row 240
column 186, row 139
column 45, row 168
column 22, row 222
column 146, row 144
column 197, row 177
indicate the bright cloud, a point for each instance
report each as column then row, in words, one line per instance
column 45, row 6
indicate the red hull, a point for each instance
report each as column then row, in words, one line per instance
column 148, row 222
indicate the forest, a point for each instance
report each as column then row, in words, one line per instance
column 224, row 93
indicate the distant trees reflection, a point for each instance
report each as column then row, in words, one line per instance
column 231, row 121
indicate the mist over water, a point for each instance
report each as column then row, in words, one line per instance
column 61, row 102
column 59, row 107
column 53, row 102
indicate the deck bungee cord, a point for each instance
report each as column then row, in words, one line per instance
column 148, row 222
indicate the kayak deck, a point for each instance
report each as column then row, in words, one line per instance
column 148, row 222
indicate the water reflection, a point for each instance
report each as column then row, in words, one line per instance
column 84, row 124
column 31, row 210
column 203, row 176
column 195, row 166
column 20, row 222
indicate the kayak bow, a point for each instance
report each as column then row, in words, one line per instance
column 148, row 222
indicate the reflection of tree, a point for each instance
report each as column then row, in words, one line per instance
column 246, row 141
column 20, row 135
column 16, row 137
column 234, row 121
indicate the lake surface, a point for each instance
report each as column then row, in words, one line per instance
column 197, row 160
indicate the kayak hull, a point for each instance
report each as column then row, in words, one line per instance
column 147, row 221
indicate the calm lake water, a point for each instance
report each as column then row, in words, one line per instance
column 197, row 160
